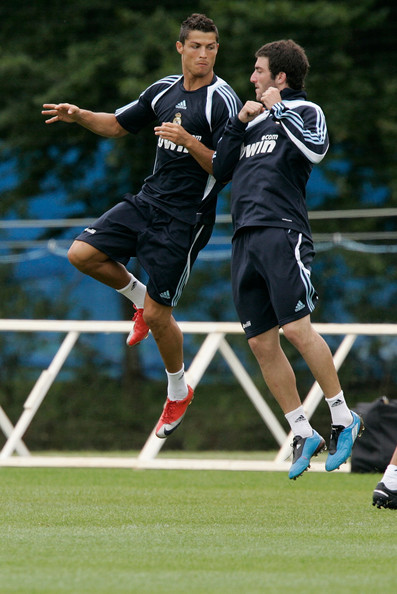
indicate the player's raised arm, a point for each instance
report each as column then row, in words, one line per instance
column 103, row 124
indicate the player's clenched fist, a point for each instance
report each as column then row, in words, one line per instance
column 250, row 110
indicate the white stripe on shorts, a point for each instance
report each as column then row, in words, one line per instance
column 305, row 276
column 186, row 272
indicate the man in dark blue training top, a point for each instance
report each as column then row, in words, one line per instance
column 268, row 151
column 171, row 219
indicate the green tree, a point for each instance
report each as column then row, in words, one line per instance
column 100, row 54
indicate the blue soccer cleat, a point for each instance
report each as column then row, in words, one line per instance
column 342, row 440
column 303, row 448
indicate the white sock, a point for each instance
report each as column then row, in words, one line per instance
column 135, row 291
column 177, row 386
column 390, row 477
column 299, row 423
column 340, row 413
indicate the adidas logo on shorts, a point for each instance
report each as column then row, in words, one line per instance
column 299, row 306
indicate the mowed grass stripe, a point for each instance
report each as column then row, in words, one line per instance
column 115, row 531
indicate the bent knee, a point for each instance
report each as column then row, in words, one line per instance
column 155, row 315
column 75, row 255
column 262, row 349
column 153, row 319
column 298, row 338
column 255, row 345
column 82, row 256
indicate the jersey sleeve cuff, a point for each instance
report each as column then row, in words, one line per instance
column 277, row 110
column 238, row 124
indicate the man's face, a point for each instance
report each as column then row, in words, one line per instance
column 198, row 53
column 262, row 77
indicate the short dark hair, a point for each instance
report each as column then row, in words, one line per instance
column 197, row 22
column 289, row 57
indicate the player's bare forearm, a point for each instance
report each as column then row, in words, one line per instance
column 103, row 124
column 179, row 136
column 201, row 153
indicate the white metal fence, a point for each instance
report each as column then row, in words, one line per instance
column 215, row 341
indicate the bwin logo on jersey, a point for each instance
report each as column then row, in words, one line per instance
column 171, row 146
column 265, row 145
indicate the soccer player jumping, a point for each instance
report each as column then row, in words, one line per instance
column 268, row 151
column 171, row 219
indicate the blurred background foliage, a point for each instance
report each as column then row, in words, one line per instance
column 100, row 55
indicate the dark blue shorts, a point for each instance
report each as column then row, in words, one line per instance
column 165, row 247
column 271, row 277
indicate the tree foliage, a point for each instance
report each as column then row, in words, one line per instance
column 101, row 55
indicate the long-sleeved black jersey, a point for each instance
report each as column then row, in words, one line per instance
column 178, row 184
column 270, row 160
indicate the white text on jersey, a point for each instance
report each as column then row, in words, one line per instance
column 171, row 146
column 265, row 145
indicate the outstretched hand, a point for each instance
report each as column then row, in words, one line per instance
column 60, row 112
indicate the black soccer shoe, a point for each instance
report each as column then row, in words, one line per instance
column 384, row 497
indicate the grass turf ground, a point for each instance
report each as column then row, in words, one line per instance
column 115, row 531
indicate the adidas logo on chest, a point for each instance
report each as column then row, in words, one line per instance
column 181, row 105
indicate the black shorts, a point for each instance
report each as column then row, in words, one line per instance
column 165, row 247
column 271, row 278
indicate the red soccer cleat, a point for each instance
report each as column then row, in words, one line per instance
column 140, row 329
column 173, row 413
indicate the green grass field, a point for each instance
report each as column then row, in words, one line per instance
column 114, row 531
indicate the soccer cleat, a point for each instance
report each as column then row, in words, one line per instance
column 384, row 497
column 303, row 448
column 140, row 329
column 172, row 415
column 341, row 442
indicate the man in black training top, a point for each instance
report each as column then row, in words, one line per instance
column 171, row 219
column 268, row 150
